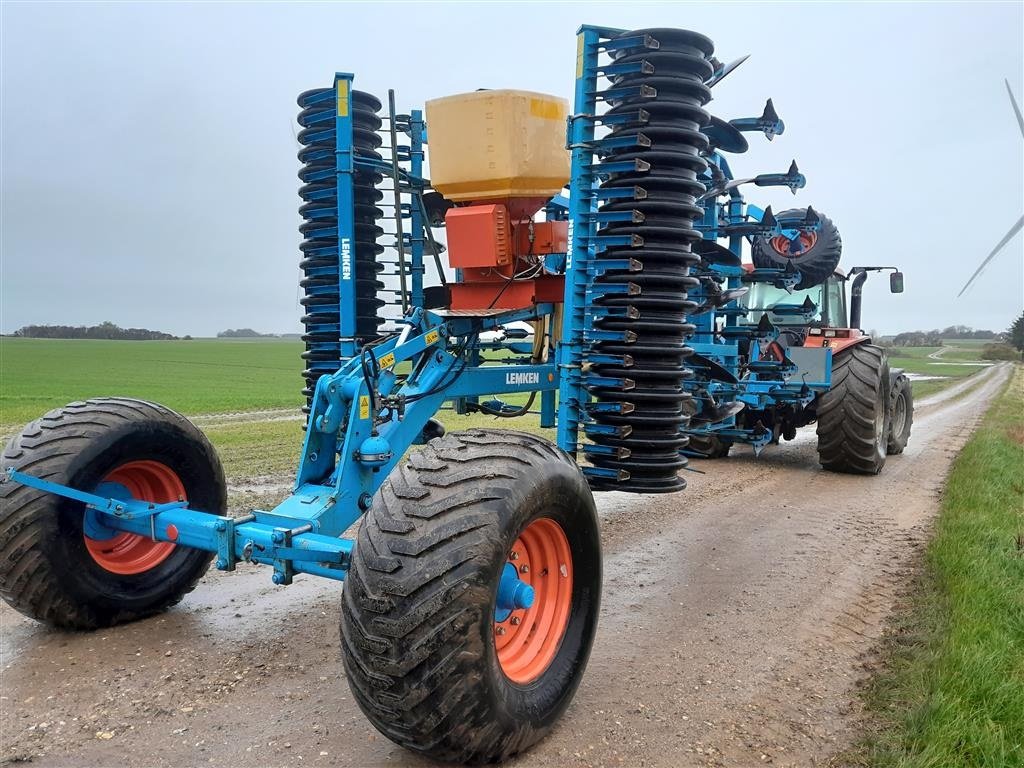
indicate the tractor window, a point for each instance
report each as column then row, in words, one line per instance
column 763, row 298
column 836, row 296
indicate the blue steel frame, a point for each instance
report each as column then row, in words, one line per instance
column 344, row 168
column 363, row 417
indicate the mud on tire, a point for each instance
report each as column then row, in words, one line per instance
column 853, row 416
column 418, row 609
column 47, row 570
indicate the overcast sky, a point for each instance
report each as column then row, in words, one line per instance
column 148, row 161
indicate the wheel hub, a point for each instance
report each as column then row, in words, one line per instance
column 533, row 601
column 794, row 247
column 128, row 554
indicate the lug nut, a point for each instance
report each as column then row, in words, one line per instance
column 524, row 568
column 499, row 631
column 516, row 621
column 514, row 555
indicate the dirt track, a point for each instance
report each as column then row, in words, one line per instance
column 736, row 620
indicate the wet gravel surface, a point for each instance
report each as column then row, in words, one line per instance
column 738, row 617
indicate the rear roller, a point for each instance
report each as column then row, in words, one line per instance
column 58, row 563
column 472, row 600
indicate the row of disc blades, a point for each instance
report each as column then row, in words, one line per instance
column 640, row 440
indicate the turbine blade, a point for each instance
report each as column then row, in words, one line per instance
column 1016, row 109
column 1006, row 238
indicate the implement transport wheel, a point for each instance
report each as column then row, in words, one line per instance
column 472, row 599
column 815, row 254
column 901, row 413
column 853, row 416
column 58, row 563
column 708, row 446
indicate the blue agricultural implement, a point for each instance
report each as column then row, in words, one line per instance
column 473, row 583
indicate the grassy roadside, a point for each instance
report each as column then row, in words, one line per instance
column 950, row 690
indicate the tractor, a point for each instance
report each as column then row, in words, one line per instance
column 472, row 588
column 809, row 318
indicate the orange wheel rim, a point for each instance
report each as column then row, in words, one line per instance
column 528, row 639
column 784, row 246
column 128, row 554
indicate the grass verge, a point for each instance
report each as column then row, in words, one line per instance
column 950, row 689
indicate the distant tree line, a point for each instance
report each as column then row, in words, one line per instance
column 105, row 330
column 244, row 333
column 934, row 338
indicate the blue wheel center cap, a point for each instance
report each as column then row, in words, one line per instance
column 93, row 526
column 513, row 594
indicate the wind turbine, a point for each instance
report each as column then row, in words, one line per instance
column 1020, row 222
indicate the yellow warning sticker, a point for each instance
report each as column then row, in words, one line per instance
column 431, row 337
column 342, row 98
column 364, row 407
column 386, row 361
column 579, row 56
column 546, row 109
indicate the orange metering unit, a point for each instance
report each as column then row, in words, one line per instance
column 499, row 156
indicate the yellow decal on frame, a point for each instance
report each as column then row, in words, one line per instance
column 342, row 98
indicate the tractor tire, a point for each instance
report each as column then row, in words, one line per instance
column 50, row 569
column 819, row 255
column 708, row 446
column 430, row 659
column 853, row 415
column 901, row 413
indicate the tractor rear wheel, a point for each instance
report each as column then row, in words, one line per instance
column 815, row 254
column 901, row 413
column 853, row 415
column 471, row 603
column 58, row 564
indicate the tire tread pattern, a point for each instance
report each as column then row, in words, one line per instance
column 900, row 384
column 412, row 599
column 846, row 412
column 28, row 580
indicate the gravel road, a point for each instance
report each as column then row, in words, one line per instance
column 737, row 619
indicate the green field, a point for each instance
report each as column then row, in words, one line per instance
column 198, row 376
column 950, row 365
column 950, row 691
column 215, row 376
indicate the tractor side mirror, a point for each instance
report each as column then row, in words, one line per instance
column 896, row 282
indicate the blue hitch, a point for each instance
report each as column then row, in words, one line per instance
column 513, row 594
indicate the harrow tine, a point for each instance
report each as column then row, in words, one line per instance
column 768, row 123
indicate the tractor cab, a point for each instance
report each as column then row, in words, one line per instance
column 820, row 306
